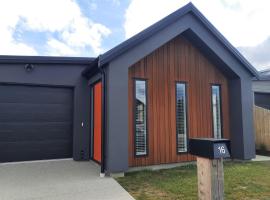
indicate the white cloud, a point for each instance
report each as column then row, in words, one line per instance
column 259, row 54
column 62, row 17
column 242, row 22
column 142, row 13
column 82, row 33
column 16, row 48
column 58, row 48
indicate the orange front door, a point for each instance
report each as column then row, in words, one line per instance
column 97, row 98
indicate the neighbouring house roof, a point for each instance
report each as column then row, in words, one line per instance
column 45, row 60
column 145, row 34
column 264, row 75
column 261, row 85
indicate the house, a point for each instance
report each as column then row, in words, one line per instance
column 135, row 105
column 261, row 88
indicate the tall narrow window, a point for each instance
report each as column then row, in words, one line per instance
column 140, row 118
column 181, row 117
column 216, row 109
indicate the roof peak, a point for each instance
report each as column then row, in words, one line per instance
column 168, row 20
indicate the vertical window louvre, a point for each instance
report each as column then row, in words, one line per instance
column 216, row 109
column 140, row 118
column 181, row 117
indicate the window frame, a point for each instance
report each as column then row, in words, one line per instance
column 221, row 114
column 187, row 120
column 134, row 116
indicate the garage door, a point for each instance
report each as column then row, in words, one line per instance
column 35, row 123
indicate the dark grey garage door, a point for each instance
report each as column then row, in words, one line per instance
column 35, row 123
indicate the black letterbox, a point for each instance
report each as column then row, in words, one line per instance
column 209, row 148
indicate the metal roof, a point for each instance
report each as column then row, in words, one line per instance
column 45, row 60
column 264, row 75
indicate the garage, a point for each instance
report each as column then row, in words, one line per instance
column 35, row 122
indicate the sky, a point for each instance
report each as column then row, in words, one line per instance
column 91, row 27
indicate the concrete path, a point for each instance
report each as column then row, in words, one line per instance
column 261, row 158
column 57, row 180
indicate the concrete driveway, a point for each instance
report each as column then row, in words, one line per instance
column 57, row 180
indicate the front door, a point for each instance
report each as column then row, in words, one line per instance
column 97, row 110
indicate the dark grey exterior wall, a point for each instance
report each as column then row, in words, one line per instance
column 262, row 99
column 240, row 90
column 58, row 75
column 247, row 137
column 241, row 119
column 81, row 139
column 117, row 117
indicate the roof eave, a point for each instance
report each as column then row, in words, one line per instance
column 91, row 68
column 7, row 59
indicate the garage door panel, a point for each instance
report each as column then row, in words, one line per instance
column 34, row 131
column 28, row 112
column 35, row 150
column 32, row 95
column 35, row 123
column 34, row 145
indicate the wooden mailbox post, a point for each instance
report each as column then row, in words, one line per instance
column 210, row 153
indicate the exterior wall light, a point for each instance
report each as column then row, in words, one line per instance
column 29, row 67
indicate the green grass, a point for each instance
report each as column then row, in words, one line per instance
column 243, row 181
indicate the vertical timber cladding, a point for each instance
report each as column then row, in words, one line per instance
column 175, row 61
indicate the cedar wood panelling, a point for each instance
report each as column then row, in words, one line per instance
column 175, row 61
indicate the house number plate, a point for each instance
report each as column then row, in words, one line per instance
column 221, row 150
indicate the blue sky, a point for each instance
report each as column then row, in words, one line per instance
column 91, row 27
column 107, row 13
column 111, row 14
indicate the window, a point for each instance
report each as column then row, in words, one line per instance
column 181, row 117
column 140, row 118
column 216, row 109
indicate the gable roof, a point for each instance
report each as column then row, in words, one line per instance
column 148, row 32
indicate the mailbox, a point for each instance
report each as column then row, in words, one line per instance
column 210, row 148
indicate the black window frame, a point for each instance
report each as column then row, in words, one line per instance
column 134, row 116
column 187, row 120
column 221, row 113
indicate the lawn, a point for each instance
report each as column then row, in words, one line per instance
column 249, row 180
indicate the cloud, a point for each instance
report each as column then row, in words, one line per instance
column 82, row 33
column 141, row 14
column 58, row 48
column 61, row 18
column 242, row 22
column 259, row 55
column 9, row 46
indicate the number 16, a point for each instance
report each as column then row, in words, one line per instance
column 221, row 150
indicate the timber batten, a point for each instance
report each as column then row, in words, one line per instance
column 177, row 60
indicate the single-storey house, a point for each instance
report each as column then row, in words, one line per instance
column 135, row 105
column 261, row 89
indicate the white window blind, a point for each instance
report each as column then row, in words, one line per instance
column 181, row 117
column 216, row 109
column 140, row 118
